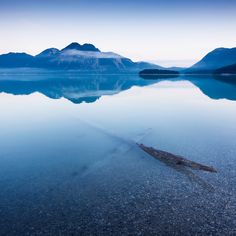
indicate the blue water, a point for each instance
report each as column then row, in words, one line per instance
column 69, row 164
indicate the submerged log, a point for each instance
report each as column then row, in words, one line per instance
column 176, row 160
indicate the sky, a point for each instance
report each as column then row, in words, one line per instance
column 167, row 32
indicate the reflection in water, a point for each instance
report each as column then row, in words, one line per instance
column 88, row 88
column 75, row 88
column 63, row 171
column 216, row 88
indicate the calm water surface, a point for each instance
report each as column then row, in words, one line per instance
column 69, row 165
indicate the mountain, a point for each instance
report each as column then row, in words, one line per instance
column 230, row 70
column 85, row 47
column 16, row 60
column 49, row 52
column 85, row 58
column 216, row 59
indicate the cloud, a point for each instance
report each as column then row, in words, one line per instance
column 90, row 54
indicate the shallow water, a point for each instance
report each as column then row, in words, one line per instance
column 69, row 165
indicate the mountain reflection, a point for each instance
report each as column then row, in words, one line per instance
column 76, row 89
column 88, row 88
column 216, row 87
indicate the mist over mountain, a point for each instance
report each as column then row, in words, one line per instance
column 86, row 58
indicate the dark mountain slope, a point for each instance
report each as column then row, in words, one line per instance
column 218, row 58
column 226, row 70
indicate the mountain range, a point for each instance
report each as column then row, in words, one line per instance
column 84, row 57
column 88, row 58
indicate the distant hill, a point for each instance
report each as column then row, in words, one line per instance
column 214, row 60
column 12, row 60
column 86, row 58
column 231, row 70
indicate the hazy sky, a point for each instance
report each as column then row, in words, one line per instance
column 170, row 32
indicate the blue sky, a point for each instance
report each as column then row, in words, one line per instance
column 176, row 32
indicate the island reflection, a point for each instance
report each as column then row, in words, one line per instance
column 89, row 88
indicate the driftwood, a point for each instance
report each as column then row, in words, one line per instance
column 175, row 160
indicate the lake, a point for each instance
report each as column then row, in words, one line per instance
column 69, row 164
